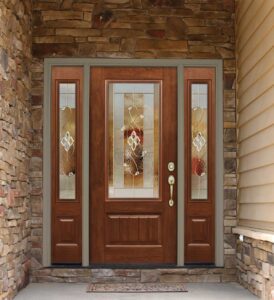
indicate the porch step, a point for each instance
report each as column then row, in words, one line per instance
column 88, row 275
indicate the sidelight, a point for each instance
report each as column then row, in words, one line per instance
column 199, row 139
column 200, row 164
column 67, row 137
column 66, row 164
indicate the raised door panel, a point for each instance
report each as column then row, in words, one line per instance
column 133, row 229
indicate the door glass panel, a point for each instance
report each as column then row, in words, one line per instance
column 199, row 138
column 133, row 140
column 67, row 151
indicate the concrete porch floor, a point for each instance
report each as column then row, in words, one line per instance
column 69, row 291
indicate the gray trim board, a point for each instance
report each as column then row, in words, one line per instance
column 219, row 193
column 180, row 169
column 46, row 256
column 85, row 170
column 180, row 64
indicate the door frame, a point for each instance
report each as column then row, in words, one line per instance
column 219, row 184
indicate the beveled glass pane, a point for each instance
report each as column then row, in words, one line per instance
column 67, row 151
column 133, row 141
column 199, row 138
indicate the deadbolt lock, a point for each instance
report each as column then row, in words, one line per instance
column 171, row 166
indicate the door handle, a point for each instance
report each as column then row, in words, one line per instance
column 171, row 182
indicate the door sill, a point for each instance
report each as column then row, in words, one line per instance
column 132, row 266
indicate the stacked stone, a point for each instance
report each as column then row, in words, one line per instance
column 15, row 145
column 136, row 29
column 255, row 267
column 134, row 275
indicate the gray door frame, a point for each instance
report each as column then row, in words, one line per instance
column 87, row 64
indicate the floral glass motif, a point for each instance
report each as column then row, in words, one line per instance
column 67, row 141
column 199, row 141
column 133, row 140
column 67, row 149
column 199, row 150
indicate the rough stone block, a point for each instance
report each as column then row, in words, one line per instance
column 146, row 44
column 266, row 270
column 77, row 32
column 52, row 15
column 149, row 276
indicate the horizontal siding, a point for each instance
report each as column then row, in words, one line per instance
column 256, row 47
column 258, row 194
column 242, row 9
column 256, row 107
column 256, row 72
column 252, row 21
column 260, row 122
column 257, row 89
column 255, row 160
column 255, row 99
column 256, row 142
column 256, row 177
column 257, row 211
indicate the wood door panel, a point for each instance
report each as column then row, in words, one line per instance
column 68, row 230
column 67, row 248
column 140, row 206
column 201, row 253
column 134, row 255
column 132, row 230
column 64, row 253
column 199, row 229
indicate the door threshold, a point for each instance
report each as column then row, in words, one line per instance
column 133, row 266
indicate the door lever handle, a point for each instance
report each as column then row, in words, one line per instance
column 171, row 181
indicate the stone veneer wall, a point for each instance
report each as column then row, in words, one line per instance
column 15, row 145
column 255, row 267
column 86, row 275
column 135, row 29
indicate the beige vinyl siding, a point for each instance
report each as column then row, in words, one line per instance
column 253, row 126
column 248, row 52
column 256, row 142
column 255, row 96
column 251, row 22
column 256, row 107
column 257, row 194
column 258, row 159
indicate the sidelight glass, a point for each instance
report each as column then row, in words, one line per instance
column 133, row 139
column 199, row 141
column 67, row 144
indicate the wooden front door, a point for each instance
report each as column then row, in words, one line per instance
column 133, row 143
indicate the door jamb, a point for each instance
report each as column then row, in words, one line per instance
column 87, row 64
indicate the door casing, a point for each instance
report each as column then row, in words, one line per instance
column 86, row 63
